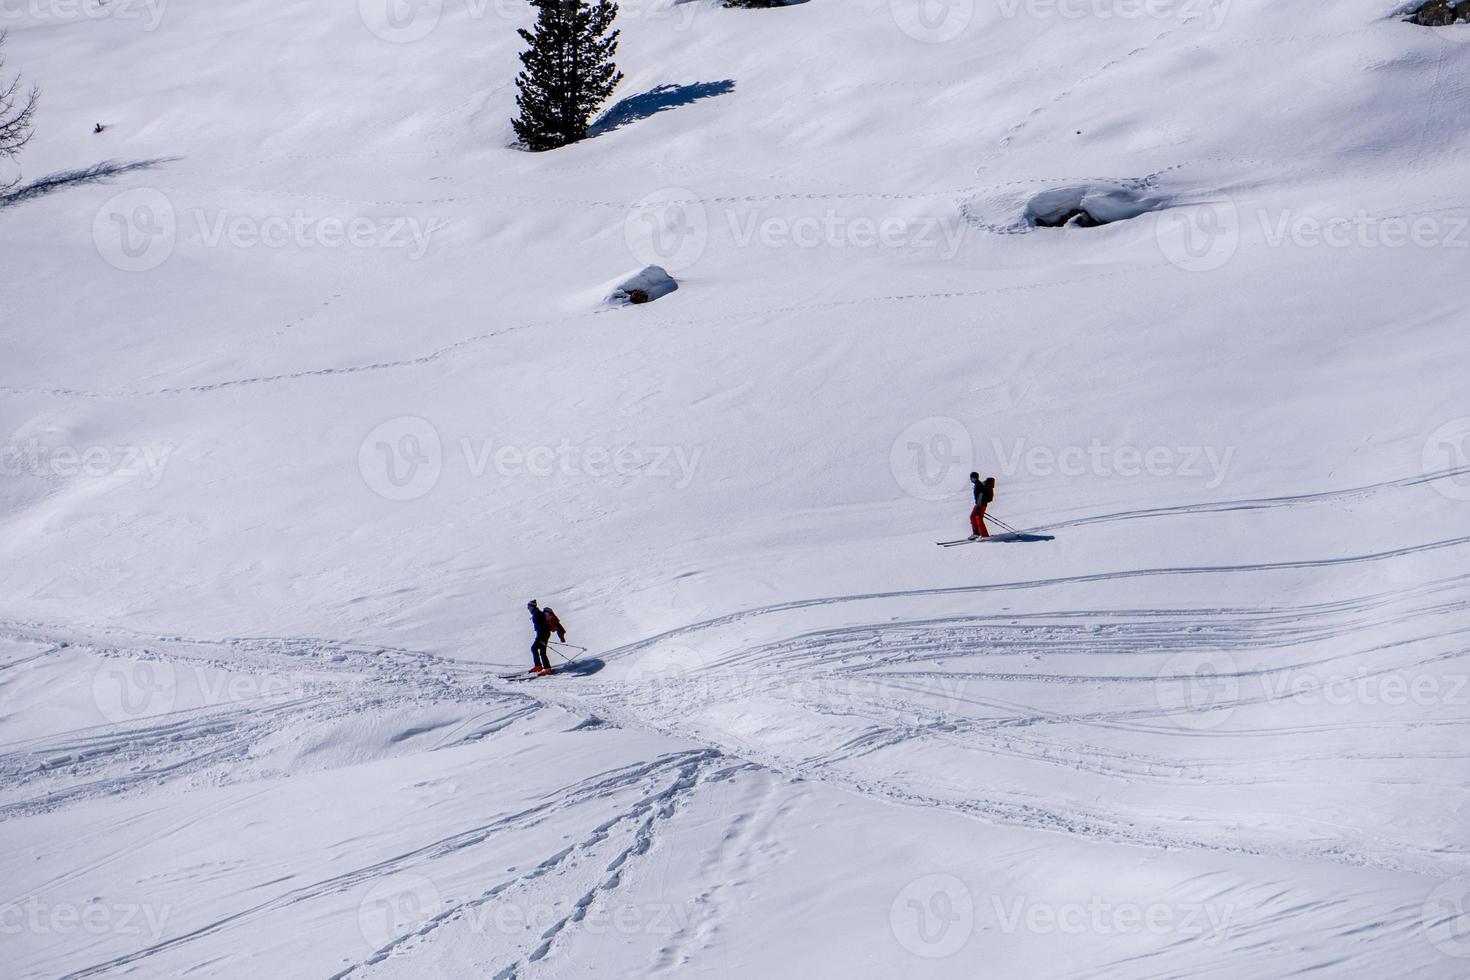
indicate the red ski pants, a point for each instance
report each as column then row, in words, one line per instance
column 977, row 521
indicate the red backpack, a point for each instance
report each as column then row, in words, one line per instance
column 554, row 624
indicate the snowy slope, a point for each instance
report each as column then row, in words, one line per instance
column 310, row 392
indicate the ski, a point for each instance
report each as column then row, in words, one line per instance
column 1007, row 536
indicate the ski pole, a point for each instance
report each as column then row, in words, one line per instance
column 570, row 646
column 1003, row 524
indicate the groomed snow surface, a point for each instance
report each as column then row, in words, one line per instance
column 309, row 379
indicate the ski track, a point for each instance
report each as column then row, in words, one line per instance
column 684, row 772
column 927, row 679
column 684, row 764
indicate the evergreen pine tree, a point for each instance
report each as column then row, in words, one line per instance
column 568, row 71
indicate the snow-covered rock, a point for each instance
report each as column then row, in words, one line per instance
column 644, row 286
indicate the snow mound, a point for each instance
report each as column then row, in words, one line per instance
column 1086, row 204
column 651, row 283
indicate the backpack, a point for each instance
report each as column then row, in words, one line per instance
column 554, row 624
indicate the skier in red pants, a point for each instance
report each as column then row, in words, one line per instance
column 984, row 494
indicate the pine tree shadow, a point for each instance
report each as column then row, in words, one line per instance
column 95, row 174
column 661, row 98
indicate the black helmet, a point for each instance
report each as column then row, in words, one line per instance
column 531, row 604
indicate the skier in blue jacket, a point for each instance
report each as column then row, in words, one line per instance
column 544, row 622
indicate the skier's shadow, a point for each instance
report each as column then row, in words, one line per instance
column 1020, row 538
column 585, row 667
